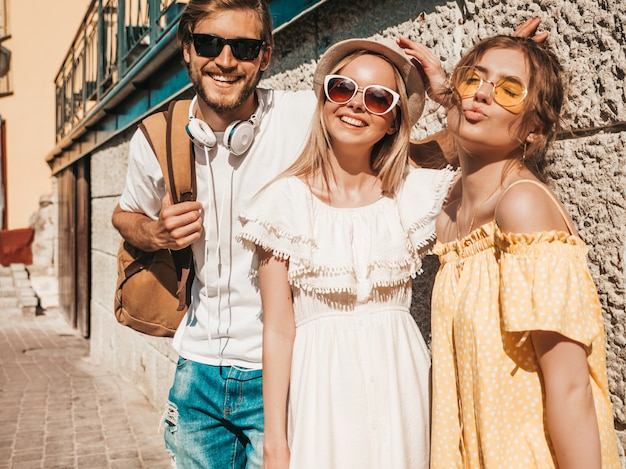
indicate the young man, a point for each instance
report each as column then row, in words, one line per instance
column 215, row 411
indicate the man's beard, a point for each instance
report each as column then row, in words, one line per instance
column 220, row 104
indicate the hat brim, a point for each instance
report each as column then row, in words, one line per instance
column 386, row 48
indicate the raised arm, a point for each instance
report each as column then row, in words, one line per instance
column 278, row 335
column 432, row 71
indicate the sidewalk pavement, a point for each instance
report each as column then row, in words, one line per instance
column 58, row 410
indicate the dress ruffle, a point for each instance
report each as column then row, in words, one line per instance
column 288, row 220
column 544, row 268
column 428, row 190
column 546, row 285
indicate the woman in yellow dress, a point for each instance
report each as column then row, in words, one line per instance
column 519, row 365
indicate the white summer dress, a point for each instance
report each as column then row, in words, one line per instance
column 359, row 391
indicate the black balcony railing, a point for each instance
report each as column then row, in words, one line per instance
column 117, row 49
column 113, row 37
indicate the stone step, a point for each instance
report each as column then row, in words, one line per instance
column 17, row 267
column 7, row 292
column 8, row 302
column 25, row 292
column 6, row 282
column 28, row 301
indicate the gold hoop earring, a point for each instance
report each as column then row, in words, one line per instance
column 524, row 154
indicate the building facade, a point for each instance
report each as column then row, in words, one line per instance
column 32, row 45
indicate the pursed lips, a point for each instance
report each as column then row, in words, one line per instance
column 474, row 114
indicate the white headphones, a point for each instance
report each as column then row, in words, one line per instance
column 238, row 136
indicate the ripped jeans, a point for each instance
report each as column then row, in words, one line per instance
column 214, row 418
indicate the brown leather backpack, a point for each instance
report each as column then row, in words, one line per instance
column 153, row 288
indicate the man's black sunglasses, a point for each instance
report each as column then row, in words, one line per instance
column 209, row 45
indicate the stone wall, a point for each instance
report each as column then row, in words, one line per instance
column 146, row 361
column 586, row 166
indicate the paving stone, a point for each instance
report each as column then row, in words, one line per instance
column 59, row 410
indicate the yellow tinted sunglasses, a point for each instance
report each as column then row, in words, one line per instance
column 508, row 92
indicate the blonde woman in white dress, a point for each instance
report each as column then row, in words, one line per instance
column 339, row 236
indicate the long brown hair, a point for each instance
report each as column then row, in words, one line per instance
column 545, row 97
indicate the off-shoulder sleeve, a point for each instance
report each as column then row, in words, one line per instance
column 420, row 200
column 546, row 285
column 276, row 221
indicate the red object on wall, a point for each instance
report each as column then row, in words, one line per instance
column 15, row 246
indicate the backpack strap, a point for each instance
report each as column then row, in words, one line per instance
column 166, row 134
column 182, row 175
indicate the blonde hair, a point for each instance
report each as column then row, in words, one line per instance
column 389, row 159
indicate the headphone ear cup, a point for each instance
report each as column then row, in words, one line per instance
column 238, row 137
column 200, row 133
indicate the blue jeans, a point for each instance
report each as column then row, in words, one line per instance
column 214, row 418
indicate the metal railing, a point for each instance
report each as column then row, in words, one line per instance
column 113, row 37
column 109, row 58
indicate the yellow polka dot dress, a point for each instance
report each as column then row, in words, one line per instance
column 491, row 289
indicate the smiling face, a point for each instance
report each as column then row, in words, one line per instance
column 479, row 122
column 225, row 83
column 351, row 124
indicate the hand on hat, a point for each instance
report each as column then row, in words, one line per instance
column 431, row 70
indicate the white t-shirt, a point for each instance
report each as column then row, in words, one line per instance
column 223, row 324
